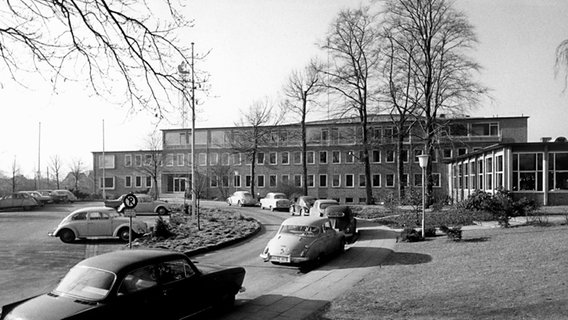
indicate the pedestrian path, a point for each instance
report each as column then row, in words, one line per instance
column 312, row 292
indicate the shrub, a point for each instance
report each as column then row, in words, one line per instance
column 162, row 229
column 500, row 205
column 410, row 235
column 429, row 232
column 454, row 234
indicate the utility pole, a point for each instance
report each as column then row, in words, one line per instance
column 193, row 191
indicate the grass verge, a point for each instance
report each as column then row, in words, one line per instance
column 516, row 273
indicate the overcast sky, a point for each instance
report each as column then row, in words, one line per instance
column 255, row 44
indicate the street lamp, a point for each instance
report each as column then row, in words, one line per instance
column 423, row 161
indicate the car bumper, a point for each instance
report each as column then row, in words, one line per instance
column 283, row 258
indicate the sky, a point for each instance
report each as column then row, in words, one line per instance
column 253, row 46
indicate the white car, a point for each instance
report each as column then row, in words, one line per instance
column 97, row 222
column 275, row 201
column 303, row 239
column 318, row 209
column 241, row 198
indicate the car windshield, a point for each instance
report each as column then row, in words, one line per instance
column 86, row 283
column 327, row 204
column 309, row 231
column 310, row 201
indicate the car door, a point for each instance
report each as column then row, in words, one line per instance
column 328, row 238
column 183, row 287
column 99, row 224
column 140, row 296
column 145, row 205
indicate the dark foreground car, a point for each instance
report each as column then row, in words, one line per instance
column 342, row 219
column 133, row 284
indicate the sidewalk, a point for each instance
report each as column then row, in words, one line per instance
column 308, row 295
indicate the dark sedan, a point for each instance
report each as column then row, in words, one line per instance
column 134, row 284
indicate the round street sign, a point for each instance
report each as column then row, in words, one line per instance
column 130, row 201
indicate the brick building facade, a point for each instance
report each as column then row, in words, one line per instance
column 333, row 156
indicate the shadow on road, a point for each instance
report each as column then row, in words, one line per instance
column 270, row 306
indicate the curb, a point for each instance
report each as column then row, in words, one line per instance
column 225, row 244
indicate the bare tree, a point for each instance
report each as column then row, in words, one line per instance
column 400, row 93
column 15, row 174
column 153, row 159
column 221, row 173
column 352, row 42
column 77, row 167
column 300, row 90
column 55, row 167
column 561, row 61
column 253, row 131
column 436, row 37
column 121, row 48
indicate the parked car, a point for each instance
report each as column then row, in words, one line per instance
column 342, row 219
column 242, row 198
column 97, row 222
column 22, row 201
column 63, row 196
column 275, row 201
column 40, row 198
column 146, row 204
column 318, row 209
column 302, row 205
column 133, row 284
column 303, row 239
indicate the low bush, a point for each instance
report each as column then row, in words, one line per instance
column 410, row 235
column 162, row 229
column 454, row 233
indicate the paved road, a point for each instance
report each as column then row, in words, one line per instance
column 31, row 262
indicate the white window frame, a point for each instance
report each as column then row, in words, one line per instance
column 352, row 180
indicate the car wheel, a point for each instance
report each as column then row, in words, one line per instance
column 66, row 236
column 124, row 234
column 162, row 211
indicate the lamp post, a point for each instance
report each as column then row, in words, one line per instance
column 423, row 161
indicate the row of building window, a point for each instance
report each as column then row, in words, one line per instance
column 319, row 135
column 323, row 180
column 527, row 172
column 272, row 158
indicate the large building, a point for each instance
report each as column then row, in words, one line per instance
column 333, row 159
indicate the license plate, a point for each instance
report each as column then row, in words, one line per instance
column 280, row 258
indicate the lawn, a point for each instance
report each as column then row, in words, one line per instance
column 515, row 273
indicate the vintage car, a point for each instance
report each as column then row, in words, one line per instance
column 275, row 201
column 62, row 196
column 303, row 239
column 242, row 198
column 320, row 205
column 22, row 201
column 40, row 198
column 342, row 219
column 302, row 205
column 134, row 284
column 97, row 222
column 146, row 204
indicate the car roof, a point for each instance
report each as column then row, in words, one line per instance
column 93, row 209
column 305, row 221
column 116, row 261
column 327, row 201
column 337, row 208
